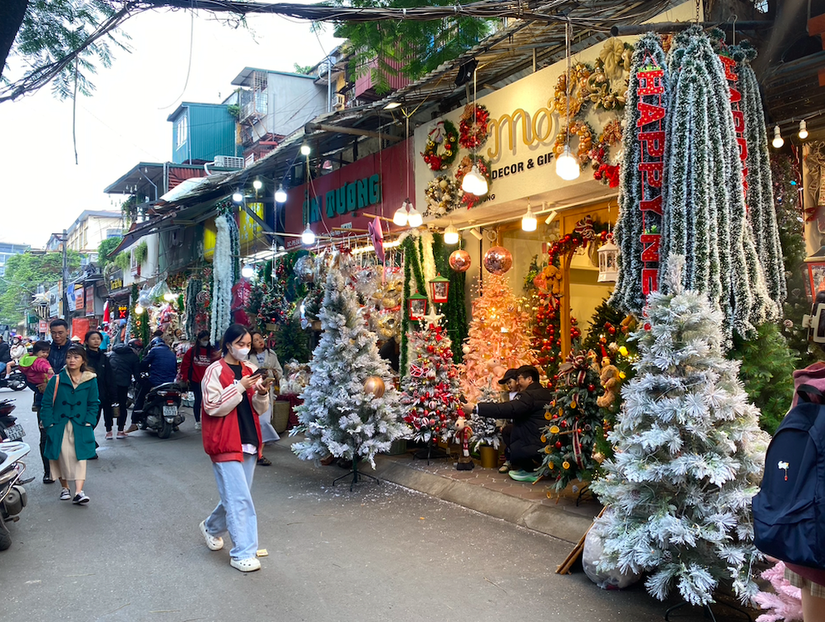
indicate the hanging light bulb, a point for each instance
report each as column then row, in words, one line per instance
column 803, row 130
column 450, row 235
column 414, row 217
column 280, row 194
column 567, row 167
column 139, row 309
column 237, row 196
column 308, row 237
column 778, row 141
column 528, row 221
column 248, row 271
column 474, row 182
column 305, row 148
column 400, row 216
column 257, row 184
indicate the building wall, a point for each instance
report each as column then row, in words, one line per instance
column 87, row 235
column 7, row 250
column 294, row 100
column 210, row 131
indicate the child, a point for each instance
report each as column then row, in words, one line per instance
column 38, row 371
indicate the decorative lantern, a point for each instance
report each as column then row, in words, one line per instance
column 816, row 273
column 439, row 289
column 417, row 307
column 608, row 264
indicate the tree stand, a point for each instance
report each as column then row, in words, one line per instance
column 434, row 453
column 356, row 475
column 708, row 611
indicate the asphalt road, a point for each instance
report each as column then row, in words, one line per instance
column 378, row 553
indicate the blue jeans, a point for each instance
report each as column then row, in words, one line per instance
column 236, row 512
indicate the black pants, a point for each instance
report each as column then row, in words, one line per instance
column 140, row 399
column 120, row 411
column 525, row 464
column 47, row 471
column 195, row 387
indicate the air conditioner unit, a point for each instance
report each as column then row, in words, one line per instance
column 222, row 161
column 340, row 101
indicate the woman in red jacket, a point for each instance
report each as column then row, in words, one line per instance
column 233, row 397
column 193, row 367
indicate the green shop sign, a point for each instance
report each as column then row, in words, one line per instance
column 347, row 198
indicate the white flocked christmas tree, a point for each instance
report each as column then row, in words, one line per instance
column 688, row 459
column 338, row 415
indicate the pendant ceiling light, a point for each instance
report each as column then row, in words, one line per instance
column 400, row 216
column 803, row 130
column 280, row 194
column 308, row 237
column 567, row 167
column 414, row 217
column 528, row 221
column 778, row 141
column 451, row 235
column 474, row 182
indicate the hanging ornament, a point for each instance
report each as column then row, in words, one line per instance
column 374, row 385
column 498, row 260
column 305, row 269
column 460, row 261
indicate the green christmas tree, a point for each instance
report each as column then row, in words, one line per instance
column 338, row 415
column 688, row 459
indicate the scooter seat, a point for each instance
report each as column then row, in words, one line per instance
column 166, row 386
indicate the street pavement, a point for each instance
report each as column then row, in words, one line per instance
column 381, row 552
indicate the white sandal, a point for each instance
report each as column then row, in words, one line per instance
column 250, row 564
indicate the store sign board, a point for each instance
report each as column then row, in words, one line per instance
column 42, row 327
column 54, row 301
column 249, row 229
column 334, row 203
column 90, row 300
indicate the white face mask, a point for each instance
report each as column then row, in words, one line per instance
column 240, row 354
column 204, row 342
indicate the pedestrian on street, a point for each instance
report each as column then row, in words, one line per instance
column 38, row 372
column 193, row 366
column 162, row 365
column 125, row 367
column 232, row 400
column 98, row 362
column 69, row 411
column 18, row 350
column 266, row 359
column 5, row 356
column 59, row 330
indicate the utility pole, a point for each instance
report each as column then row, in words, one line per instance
column 65, row 239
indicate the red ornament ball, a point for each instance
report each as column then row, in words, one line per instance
column 460, row 261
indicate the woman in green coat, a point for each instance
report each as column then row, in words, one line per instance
column 71, row 397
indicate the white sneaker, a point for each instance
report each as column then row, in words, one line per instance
column 65, row 494
column 213, row 543
column 197, row 425
column 250, row 564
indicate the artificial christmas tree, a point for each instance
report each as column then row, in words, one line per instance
column 485, row 431
column 499, row 337
column 688, row 457
column 430, row 393
column 345, row 412
column 574, row 422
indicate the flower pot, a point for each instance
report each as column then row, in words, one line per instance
column 489, row 457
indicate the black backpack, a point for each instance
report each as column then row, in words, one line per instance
column 789, row 510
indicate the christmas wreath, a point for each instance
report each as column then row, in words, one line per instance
column 579, row 75
column 472, row 128
column 443, row 135
column 443, row 196
column 599, row 89
column 584, row 132
column 602, row 169
column 464, row 167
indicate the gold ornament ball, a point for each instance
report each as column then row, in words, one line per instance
column 598, row 457
column 460, row 261
column 498, row 260
column 374, row 385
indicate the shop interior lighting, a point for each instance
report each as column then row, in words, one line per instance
column 778, row 141
column 451, row 235
column 237, row 196
column 248, row 271
column 308, row 237
column 476, row 233
column 567, row 167
column 257, row 184
column 803, row 130
column 280, row 194
column 551, row 217
column 528, row 221
column 305, row 149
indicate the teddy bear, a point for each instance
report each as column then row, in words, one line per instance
column 610, row 380
column 552, row 277
column 463, row 432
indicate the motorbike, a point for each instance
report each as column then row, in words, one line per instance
column 15, row 381
column 12, row 449
column 161, row 410
column 9, row 430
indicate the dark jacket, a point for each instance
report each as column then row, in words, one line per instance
column 526, row 410
column 57, row 356
column 5, row 352
column 124, row 365
column 161, row 363
column 98, row 362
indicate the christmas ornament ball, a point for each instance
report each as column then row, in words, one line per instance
column 498, row 260
column 460, row 261
column 305, row 269
column 374, row 385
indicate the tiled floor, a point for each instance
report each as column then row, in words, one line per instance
column 501, row 482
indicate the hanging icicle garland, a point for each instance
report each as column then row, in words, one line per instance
column 648, row 88
column 222, row 275
column 455, row 311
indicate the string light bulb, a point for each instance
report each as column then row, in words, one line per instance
column 414, row 217
column 237, row 196
column 305, row 148
column 257, row 184
column 400, row 216
column 528, row 221
column 451, row 235
column 280, row 194
column 803, row 130
column 778, row 141
column 248, row 271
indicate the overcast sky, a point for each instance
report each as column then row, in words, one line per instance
column 124, row 122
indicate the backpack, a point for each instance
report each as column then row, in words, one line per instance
column 789, row 510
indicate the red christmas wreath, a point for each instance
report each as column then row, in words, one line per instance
column 472, row 129
column 443, row 135
column 603, row 171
